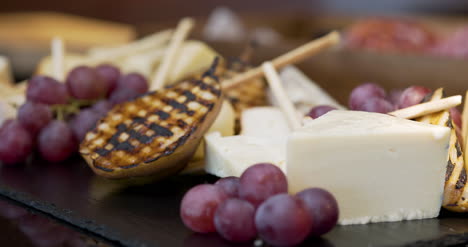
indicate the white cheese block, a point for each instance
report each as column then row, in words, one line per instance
column 303, row 92
column 232, row 155
column 266, row 121
column 379, row 167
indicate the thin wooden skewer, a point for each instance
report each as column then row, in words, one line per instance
column 58, row 58
column 180, row 34
column 427, row 108
column 279, row 93
column 292, row 57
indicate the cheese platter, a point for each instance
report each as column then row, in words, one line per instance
column 198, row 144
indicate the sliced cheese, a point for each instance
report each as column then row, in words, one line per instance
column 379, row 168
column 232, row 155
column 224, row 124
column 144, row 63
column 71, row 60
column 192, row 58
column 304, row 92
column 7, row 111
column 5, row 71
column 266, row 122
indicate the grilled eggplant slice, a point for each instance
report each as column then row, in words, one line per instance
column 155, row 134
column 456, row 189
column 245, row 95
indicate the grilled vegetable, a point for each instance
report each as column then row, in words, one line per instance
column 157, row 133
column 456, row 189
column 245, row 95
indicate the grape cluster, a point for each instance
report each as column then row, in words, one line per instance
column 258, row 204
column 371, row 97
column 57, row 116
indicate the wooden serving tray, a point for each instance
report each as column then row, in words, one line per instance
column 149, row 215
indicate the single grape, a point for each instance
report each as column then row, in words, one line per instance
column 46, row 90
column 234, row 220
column 322, row 208
column 456, row 116
column 282, row 220
column 133, row 81
column 413, row 96
column 199, row 205
column 102, row 107
column 364, row 92
column 380, row 105
column 260, row 181
column 56, row 141
column 121, row 95
column 34, row 116
column 83, row 122
column 230, row 185
column 84, row 82
column 110, row 75
column 394, row 96
column 16, row 143
column 320, row 110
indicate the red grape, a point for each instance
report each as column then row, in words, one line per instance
column 282, row 220
column 34, row 116
column 122, row 94
column 364, row 92
column 320, row 110
column 46, row 90
column 380, row 105
column 102, row 107
column 133, row 81
column 456, row 116
column 230, row 186
column 84, row 82
column 413, row 96
column 234, row 220
column 83, row 122
column 10, row 211
column 110, row 75
column 394, row 96
column 454, row 45
column 199, row 205
column 16, row 143
column 56, row 141
column 322, row 208
column 261, row 181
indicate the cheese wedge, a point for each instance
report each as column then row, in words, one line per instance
column 380, row 168
column 304, row 92
column 232, row 155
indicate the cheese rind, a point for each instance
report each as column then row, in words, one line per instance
column 379, row 168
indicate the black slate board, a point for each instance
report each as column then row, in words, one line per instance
column 148, row 215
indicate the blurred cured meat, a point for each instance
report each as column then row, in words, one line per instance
column 389, row 35
column 454, row 45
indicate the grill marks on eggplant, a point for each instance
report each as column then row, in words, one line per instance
column 151, row 126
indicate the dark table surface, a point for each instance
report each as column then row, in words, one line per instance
column 149, row 215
